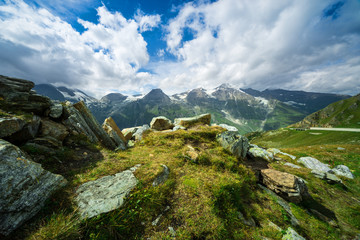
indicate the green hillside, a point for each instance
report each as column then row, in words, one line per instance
column 344, row 113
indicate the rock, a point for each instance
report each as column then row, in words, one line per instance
column 178, row 128
column 341, row 148
column 24, row 185
column 290, row 234
column 115, row 134
column 228, row 127
column 104, row 194
column 156, row 221
column 234, row 142
column 53, row 129
column 292, row 165
column 56, row 110
column 162, row 177
column 318, row 174
column 249, row 222
column 75, row 122
column 294, row 221
column 284, row 184
column 129, row 132
column 94, row 125
column 130, row 144
column 191, row 153
column 274, row 226
column 314, row 164
column 203, row 119
column 344, row 171
column 28, row 132
column 140, row 131
column 274, row 151
column 48, row 142
column 9, row 126
column 161, row 123
column 332, row 178
column 172, row 231
column 257, row 153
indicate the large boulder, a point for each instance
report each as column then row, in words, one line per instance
column 105, row 194
column 203, row 119
column 161, row 123
column 53, row 129
column 56, row 110
column 286, row 185
column 129, row 132
column 28, row 132
column 24, row 187
column 234, row 142
column 113, row 131
column 109, row 122
column 140, row 131
column 314, row 164
column 342, row 170
column 10, row 125
column 257, row 153
column 228, row 127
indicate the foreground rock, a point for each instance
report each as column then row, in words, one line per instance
column 314, row 164
column 114, row 132
column 11, row 125
column 342, row 170
column 162, row 177
column 94, row 125
column 53, row 129
column 228, row 127
column 161, row 123
column 129, row 132
column 140, row 131
column 234, row 142
column 105, row 194
column 285, row 185
column 24, row 187
column 257, row 153
column 203, row 119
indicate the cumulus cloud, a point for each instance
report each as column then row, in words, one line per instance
column 46, row 49
column 301, row 44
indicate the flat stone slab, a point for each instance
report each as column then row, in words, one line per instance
column 314, row 164
column 105, row 194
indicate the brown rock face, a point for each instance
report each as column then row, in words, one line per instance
column 161, row 123
column 284, row 184
column 110, row 123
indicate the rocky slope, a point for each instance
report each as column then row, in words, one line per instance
column 344, row 113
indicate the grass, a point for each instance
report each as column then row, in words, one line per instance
column 204, row 197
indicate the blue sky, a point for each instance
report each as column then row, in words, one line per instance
column 133, row 46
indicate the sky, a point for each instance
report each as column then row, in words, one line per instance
column 133, row 46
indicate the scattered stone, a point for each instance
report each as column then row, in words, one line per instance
column 129, row 132
column 327, row 176
column 9, row 126
column 131, row 144
column 134, row 168
column 24, row 185
column 94, row 125
column 257, row 153
column 284, row 184
column 249, row 222
column 228, row 127
column 172, row 231
column 140, row 131
column 49, row 142
column 178, row 128
column 156, row 221
column 234, row 142
column 314, row 164
column 292, row 165
column 104, row 194
column 192, row 153
column 162, row 177
column 294, row 221
column 290, row 234
column 161, row 123
column 56, row 110
column 53, row 129
column 276, row 227
column 344, row 171
column 318, row 174
column 203, row 119
column 341, row 148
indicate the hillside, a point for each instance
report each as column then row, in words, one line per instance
column 344, row 113
column 64, row 176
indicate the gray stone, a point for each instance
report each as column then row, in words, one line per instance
column 178, row 128
column 140, row 131
column 290, row 234
column 292, row 165
column 105, row 194
column 129, row 132
column 9, row 126
column 56, row 110
column 342, row 170
column 24, row 187
column 284, row 184
column 161, row 123
column 162, row 177
column 48, row 142
column 327, row 176
column 341, row 148
column 203, row 119
column 234, row 142
column 247, row 221
column 28, row 132
column 119, row 142
column 314, row 164
column 260, row 153
column 274, row 226
column 318, row 174
column 53, row 129
column 172, row 231
column 228, row 127
column 94, row 125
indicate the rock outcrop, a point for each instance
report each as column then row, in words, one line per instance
column 257, row 153
column 24, row 187
column 105, row 194
column 140, row 131
column 203, row 119
column 342, row 170
column 229, row 128
column 314, row 164
column 115, row 133
column 291, row 234
column 162, row 177
column 285, row 185
column 161, row 123
column 10, row 125
column 234, row 142
column 56, row 110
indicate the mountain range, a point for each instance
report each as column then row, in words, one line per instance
column 247, row 109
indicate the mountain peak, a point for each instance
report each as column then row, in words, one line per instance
column 225, row 86
column 156, row 95
column 113, row 97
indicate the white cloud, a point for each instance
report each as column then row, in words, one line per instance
column 44, row 48
column 265, row 44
